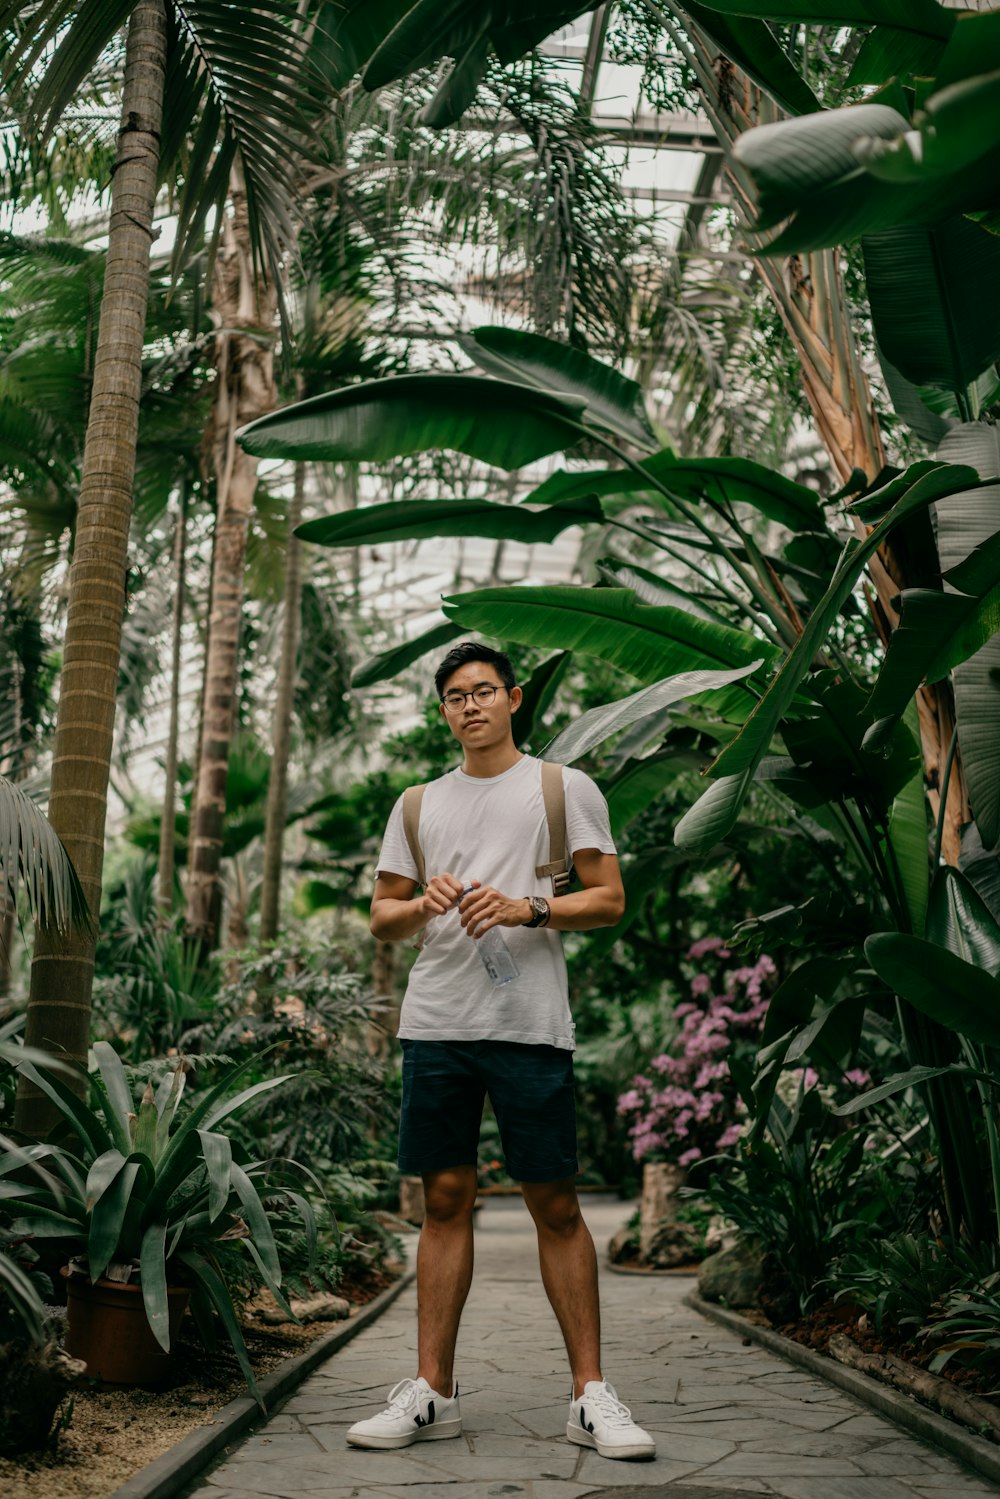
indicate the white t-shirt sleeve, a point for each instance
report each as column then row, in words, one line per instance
column 395, row 856
column 588, row 824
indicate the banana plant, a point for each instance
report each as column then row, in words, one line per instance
column 136, row 1197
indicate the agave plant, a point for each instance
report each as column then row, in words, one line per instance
column 137, row 1197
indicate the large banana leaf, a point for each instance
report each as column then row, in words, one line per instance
column 497, row 421
column 981, row 867
column 649, row 588
column 612, row 400
column 536, row 695
column 923, row 17
column 933, row 301
column 829, row 747
column 391, row 662
column 908, row 837
column 424, row 520
column 651, row 643
column 717, row 810
column 888, row 52
column 754, row 48
column 600, row 723
column 960, row 920
column 965, row 522
column 957, row 994
column 642, row 781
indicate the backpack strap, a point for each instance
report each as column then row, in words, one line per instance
column 554, row 798
column 412, row 797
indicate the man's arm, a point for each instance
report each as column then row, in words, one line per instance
column 397, row 912
column 601, row 902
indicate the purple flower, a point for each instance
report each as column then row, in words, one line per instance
column 700, row 984
column 689, row 1157
column 729, row 1136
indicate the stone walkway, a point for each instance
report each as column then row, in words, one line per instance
column 728, row 1418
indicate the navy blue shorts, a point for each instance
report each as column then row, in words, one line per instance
column 445, row 1084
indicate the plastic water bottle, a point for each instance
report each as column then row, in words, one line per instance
column 496, row 956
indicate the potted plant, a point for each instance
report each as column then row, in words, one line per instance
column 143, row 1208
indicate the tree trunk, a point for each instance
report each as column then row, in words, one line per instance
column 808, row 293
column 63, row 967
column 383, row 1023
column 244, row 310
column 168, row 820
column 277, row 786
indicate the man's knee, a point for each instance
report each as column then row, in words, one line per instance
column 554, row 1206
column 450, row 1196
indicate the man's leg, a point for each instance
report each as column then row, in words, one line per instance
column 444, row 1271
column 569, row 1273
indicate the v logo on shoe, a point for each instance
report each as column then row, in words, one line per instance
column 430, row 1415
column 587, row 1426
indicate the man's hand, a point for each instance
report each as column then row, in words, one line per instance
column 484, row 907
column 442, row 893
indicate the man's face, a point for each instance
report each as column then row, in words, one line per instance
column 479, row 725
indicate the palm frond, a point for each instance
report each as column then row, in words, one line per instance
column 32, row 854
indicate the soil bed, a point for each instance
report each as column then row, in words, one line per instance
column 817, row 1328
column 112, row 1434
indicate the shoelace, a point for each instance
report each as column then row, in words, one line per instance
column 611, row 1409
column 401, row 1397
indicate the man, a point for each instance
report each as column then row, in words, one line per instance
column 482, row 833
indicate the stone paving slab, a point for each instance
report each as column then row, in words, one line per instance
column 729, row 1418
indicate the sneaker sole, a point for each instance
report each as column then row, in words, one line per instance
column 584, row 1438
column 438, row 1431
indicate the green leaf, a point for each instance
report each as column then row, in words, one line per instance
column 120, row 1101
column 109, row 1193
column 91, row 1131
column 931, row 290
column 258, row 1224
column 739, row 759
column 736, row 481
column 965, row 522
column 214, row 1287
column 957, row 994
column 642, row 781
column 909, row 403
column 153, row 1279
column 390, row 663
column 606, row 622
column 887, row 52
column 612, row 400
column 32, row 855
column 936, row 632
column 960, row 920
column 497, row 421
column 423, row 520
column 598, row 724
column 908, row 836
column 898, row 1083
column 649, row 588
column 753, row 47
column 537, row 694
column 981, row 867
column 920, row 17
column 811, row 156
column 217, row 1153
column 348, row 32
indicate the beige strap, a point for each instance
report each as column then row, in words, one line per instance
column 412, row 797
column 554, row 798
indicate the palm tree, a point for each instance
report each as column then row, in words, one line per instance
column 223, row 105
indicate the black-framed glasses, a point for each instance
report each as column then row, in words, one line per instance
column 482, row 696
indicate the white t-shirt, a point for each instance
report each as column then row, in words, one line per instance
column 493, row 830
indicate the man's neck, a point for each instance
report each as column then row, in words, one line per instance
column 491, row 761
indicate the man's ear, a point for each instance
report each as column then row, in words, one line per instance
column 515, row 697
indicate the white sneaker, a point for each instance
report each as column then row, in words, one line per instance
column 415, row 1413
column 598, row 1419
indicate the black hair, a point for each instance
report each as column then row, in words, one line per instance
column 461, row 655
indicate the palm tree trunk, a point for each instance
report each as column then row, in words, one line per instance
column 277, row 786
column 168, row 819
column 63, row 968
column 244, row 308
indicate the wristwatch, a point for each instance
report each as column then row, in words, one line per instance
column 540, row 911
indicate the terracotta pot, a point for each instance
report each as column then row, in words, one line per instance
column 107, row 1328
